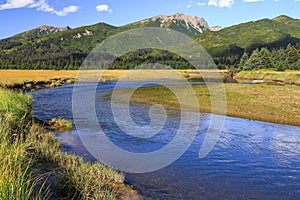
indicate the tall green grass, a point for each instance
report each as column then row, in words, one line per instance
column 29, row 156
column 16, row 181
column 77, row 179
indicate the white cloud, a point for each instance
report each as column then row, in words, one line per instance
column 41, row 5
column 189, row 6
column 200, row 4
column 11, row 4
column 221, row 3
column 213, row 3
column 254, row 0
column 66, row 10
column 103, row 8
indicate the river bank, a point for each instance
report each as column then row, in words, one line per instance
column 245, row 101
column 33, row 166
column 288, row 77
column 270, row 103
column 11, row 77
column 252, row 159
column 16, row 78
column 30, row 86
column 40, row 158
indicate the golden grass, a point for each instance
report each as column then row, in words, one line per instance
column 60, row 125
column 9, row 77
column 289, row 77
column 20, row 76
column 278, row 104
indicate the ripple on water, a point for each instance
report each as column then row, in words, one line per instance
column 252, row 160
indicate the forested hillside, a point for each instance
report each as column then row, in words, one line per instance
column 65, row 48
column 228, row 45
column 278, row 59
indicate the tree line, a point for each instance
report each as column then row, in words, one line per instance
column 276, row 59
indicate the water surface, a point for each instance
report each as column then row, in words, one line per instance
column 252, row 159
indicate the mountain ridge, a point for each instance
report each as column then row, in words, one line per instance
column 67, row 48
column 41, row 30
column 193, row 22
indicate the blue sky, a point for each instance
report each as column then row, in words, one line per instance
column 21, row 15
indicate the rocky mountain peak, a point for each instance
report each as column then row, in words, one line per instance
column 52, row 29
column 215, row 28
column 190, row 22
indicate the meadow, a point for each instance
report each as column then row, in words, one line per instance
column 12, row 77
column 271, row 103
column 288, row 77
column 33, row 166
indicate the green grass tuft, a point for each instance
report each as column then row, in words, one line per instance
column 32, row 165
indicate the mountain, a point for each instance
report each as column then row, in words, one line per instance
column 40, row 31
column 228, row 45
column 189, row 25
column 65, row 48
column 49, row 47
column 61, row 50
column 272, row 33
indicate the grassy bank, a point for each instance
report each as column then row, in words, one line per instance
column 13, row 77
column 33, row 167
column 288, row 77
column 278, row 104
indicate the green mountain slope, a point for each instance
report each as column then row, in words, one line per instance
column 227, row 45
column 40, row 31
column 62, row 50
column 83, row 38
column 274, row 33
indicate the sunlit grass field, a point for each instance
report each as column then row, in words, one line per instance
column 272, row 103
column 10, row 77
column 289, row 77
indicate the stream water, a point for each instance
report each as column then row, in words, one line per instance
column 252, row 159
